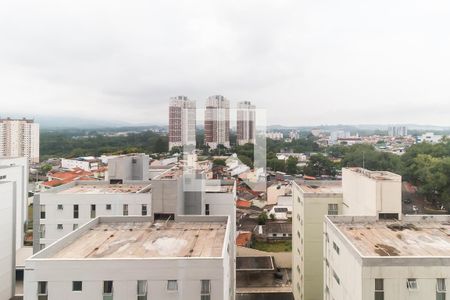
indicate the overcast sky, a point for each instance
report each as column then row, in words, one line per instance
column 306, row 62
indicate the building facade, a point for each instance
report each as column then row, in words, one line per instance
column 137, row 258
column 312, row 200
column 246, row 117
column 88, row 164
column 367, row 258
column 182, row 121
column 16, row 170
column 128, row 167
column 371, row 193
column 19, row 137
column 398, row 131
column 7, row 238
column 63, row 209
column 217, row 121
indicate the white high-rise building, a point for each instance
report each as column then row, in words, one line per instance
column 246, row 123
column 217, row 121
column 398, row 131
column 7, row 238
column 366, row 258
column 182, row 119
column 19, row 137
column 16, row 170
column 188, row 258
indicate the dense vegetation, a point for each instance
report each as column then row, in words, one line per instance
column 73, row 144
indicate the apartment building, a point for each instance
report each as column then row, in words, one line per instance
column 217, row 121
column 19, row 137
column 397, row 131
column 137, row 258
column 63, row 209
column 8, row 225
column 246, row 122
column 371, row 193
column 128, row 167
column 182, row 122
column 16, row 170
column 368, row 258
column 312, row 200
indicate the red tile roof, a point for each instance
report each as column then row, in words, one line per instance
column 243, row 239
column 243, row 204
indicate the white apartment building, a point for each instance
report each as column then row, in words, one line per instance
column 367, row 258
column 312, row 200
column 85, row 163
column 16, row 170
column 137, row 258
column 398, row 131
column 8, row 203
column 63, row 209
column 128, row 167
column 371, row 193
column 19, row 137
column 217, row 121
column 182, row 122
column 275, row 135
column 429, row 137
column 246, row 122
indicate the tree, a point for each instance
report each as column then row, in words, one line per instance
column 219, row 162
column 262, row 218
column 44, row 169
column 291, row 165
column 320, row 165
column 160, row 146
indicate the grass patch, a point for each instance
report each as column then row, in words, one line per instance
column 282, row 246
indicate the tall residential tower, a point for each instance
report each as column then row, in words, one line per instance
column 182, row 118
column 245, row 123
column 217, row 121
column 19, row 137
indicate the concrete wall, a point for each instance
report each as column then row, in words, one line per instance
column 16, row 170
column 365, row 196
column 7, row 239
column 130, row 167
column 167, row 196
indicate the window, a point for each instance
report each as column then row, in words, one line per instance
column 336, row 278
column 172, row 285
column 42, row 231
column 75, row 226
column 335, row 247
column 42, row 291
column 107, row 290
column 411, row 284
column 77, row 286
column 332, row 209
column 108, row 206
column 125, row 209
column 441, row 289
column 42, row 206
column 92, row 211
column 60, row 226
column 144, row 209
column 207, row 209
column 142, row 290
column 75, row 211
column 379, row 289
column 205, row 293
column 60, row 207
column 2, row 177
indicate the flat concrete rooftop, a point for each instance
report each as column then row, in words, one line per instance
column 147, row 240
column 106, row 188
column 377, row 175
column 395, row 238
column 320, row 187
